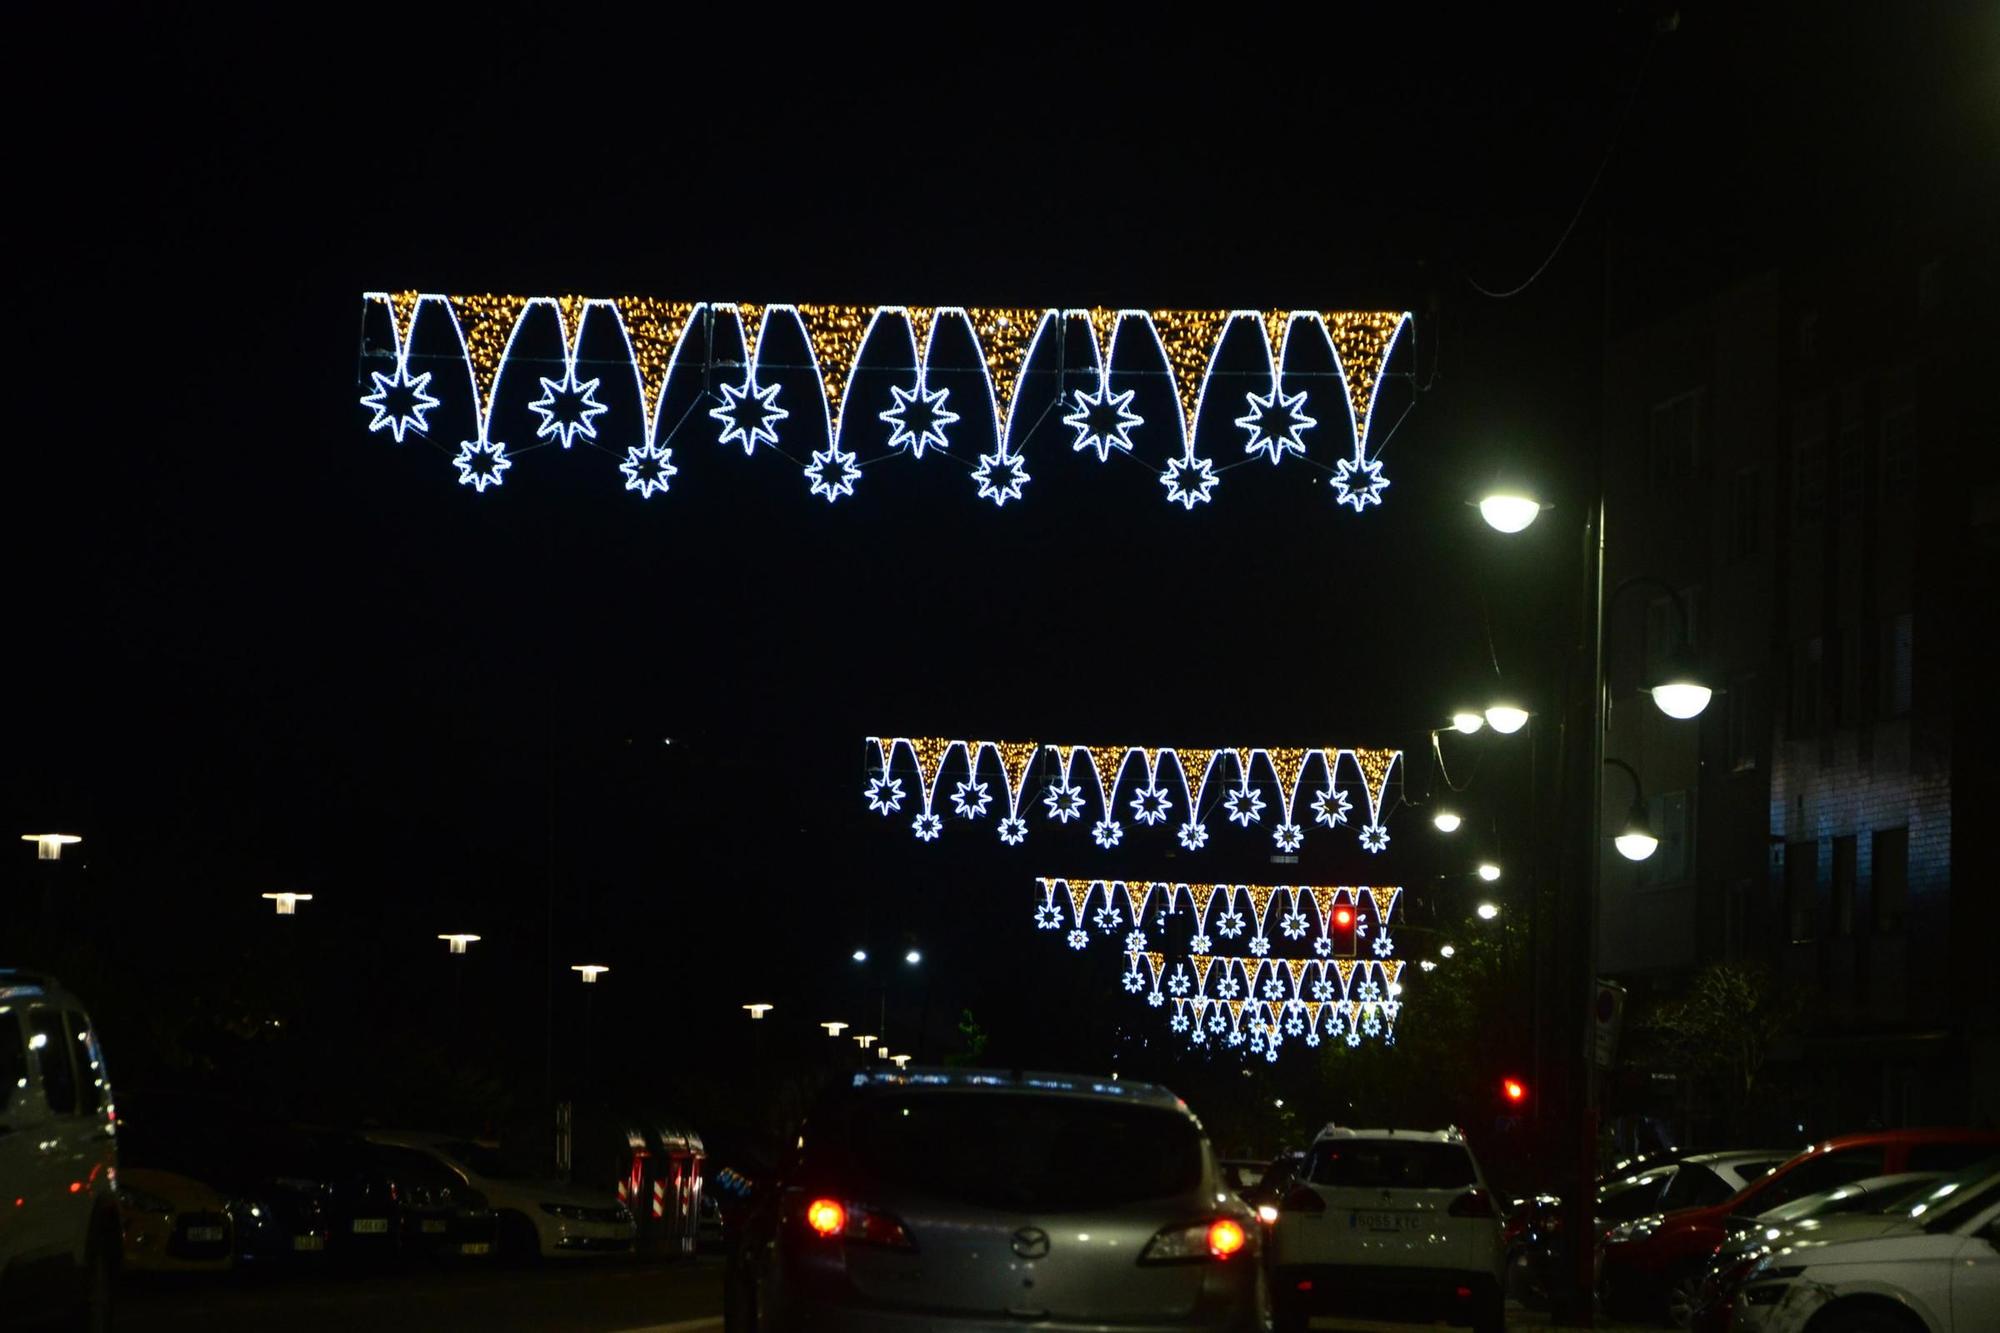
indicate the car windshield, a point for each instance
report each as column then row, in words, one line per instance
column 1390, row 1164
column 481, row 1160
column 1635, row 1196
column 1906, row 1198
column 1945, row 1203
column 1024, row 1152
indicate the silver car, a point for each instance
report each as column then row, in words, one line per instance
column 964, row 1200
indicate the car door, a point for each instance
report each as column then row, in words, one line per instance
column 1975, row 1277
column 26, row 1170
column 67, row 1142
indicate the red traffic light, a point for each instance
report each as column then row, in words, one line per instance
column 1343, row 917
column 1514, row 1090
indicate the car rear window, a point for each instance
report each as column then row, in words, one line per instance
column 1385, row 1164
column 1016, row 1151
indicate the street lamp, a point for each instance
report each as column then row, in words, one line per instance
column 287, row 903
column 459, row 941
column 900, row 1061
column 1506, row 718
column 48, row 846
column 757, row 1011
column 1465, row 721
column 1636, row 840
column 1446, row 821
column 1488, row 871
column 1487, row 911
column 591, row 972
column 1509, row 511
column 864, row 1039
column 835, row 1027
column 859, row 955
column 1681, row 696
column 1446, row 951
column 913, row 957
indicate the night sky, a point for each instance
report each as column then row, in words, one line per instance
column 259, row 648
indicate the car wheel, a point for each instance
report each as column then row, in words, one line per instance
column 520, row 1243
column 1681, row 1295
column 1865, row 1317
column 1288, row 1316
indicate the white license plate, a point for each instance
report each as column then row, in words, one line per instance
column 475, row 1247
column 433, row 1227
column 1380, row 1221
column 309, row 1242
column 204, row 1233
column 371, row 1226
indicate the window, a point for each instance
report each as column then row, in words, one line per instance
column 1809, row 462
column 1947, row 1157
column 50, row 1044
column 1675, row 439
column 1889, row 857
column 1746, row 723
column 1668, row 639
column 1624, row 1200
column 13, row 1057
column 1381, row 1164
column 1899, row 447
column 1669, row 814
column 1694, row 1186
column 1842, row 681
column 1820, row 1173
column 1844, row 850
column 1801, row 889
column 1746, row 514
column 1893, row 662
column 1851, row 468
column 1805, row 688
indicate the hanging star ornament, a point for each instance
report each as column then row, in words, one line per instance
column 1189, row 481
column 1103, row 421
column 919, row 418
column 568, row 409
column 480, row 464
column 399, row 402
column 648, row 468
column 1357, row 483
column 1001, row 477
column 1275, row 422
column 749, row 415
column 832, row 472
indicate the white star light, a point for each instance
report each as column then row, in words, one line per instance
column 1134, row 983
column 1078, row 939
column 1064, row 801
column 1272, row 990
column 1358, row 484
column 1260, row 946
column 1230, row 924
column 1368, row 991
column 1384, row 945
column 1178, row 983
column 1103, row 421
column 1330, row 807
column 1108, row 832
column 1194, row 836
column 1150, row 805
column 1245, row 805
column 1322, row 990
column 1288, row 837
column 1106, row 919
column 399, row 402
column 1200, row 944
column 749, row 415
column 1354, row 1039
column 648, row 468
column 1275, row 422
column 1004, row 484
column 1188, row 481
column 1013, row 830
column 919, row 418
column 1179, row 1023
column 1374, row 837
column 1226, row 988
column 1155, row 999
column 1135, row 942
column 885, row 795
column 1322, row 946
column 567, row 409
column 971, row 798
column 480, row 464
column 927, row 827
column 832, row 472
column 1293, row 924
column 1047, row 917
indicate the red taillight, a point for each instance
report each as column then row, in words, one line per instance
column 1225, row 1237
column 826, row 1217
column 1303, row 1200
column 1472, row 1203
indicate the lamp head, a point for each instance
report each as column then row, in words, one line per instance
column 1509, row 511
column 1446, row 821
column 1506, row 718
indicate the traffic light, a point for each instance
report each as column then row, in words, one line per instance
column 1343, row 931
column 1513, row 1091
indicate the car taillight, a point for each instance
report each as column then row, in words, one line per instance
column 857, row 1224
column 1303, row 1200
column 1197, row 1242
column 1472, row 1203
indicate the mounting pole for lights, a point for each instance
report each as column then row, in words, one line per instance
column 1636, row 840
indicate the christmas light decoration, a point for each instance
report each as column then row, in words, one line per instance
column 648, row 468
column 736, row 360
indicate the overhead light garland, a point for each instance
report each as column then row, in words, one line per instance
column 1118, row 782
column 780, row 377
column 1346, row 989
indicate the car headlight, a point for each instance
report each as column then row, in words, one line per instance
column 146, row 1203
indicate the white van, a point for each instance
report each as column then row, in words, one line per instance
column 59, row 1230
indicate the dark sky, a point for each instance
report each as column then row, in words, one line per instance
column 264, row 648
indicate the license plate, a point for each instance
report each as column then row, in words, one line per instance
column 309, row 1242
column 1380, row 1221
column 204, row 1233
column 475, row 1247
column 371, row 1226
column 433, row 1227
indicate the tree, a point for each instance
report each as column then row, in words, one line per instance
column 1725, row 1028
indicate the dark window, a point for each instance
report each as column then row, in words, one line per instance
column 1746, row 723
column 1805, row 700
column 1802, row 889
column 1694, row 1187
column 1890, row 867
column 1899, row 450
column 1746, row 514
column 1851, row 464
column 1844, row 850
column 1809, row 477
column 13, row 1059
column 1949, row 1156
column 1381, row 1164
column 1672, row 819
column 1840, row 678
column 1820, row 1173
column 1623, row 1200
column 50, row 1044
column 1892, row 675
column 1025, row 1153
column 1676, row 439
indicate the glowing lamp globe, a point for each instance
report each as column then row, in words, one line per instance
column 459, row 941
column 1509, row 512
column 1682, row 699
column 757, row 1011
column 835, row 1028
column 1466, row 722
column 859, row 955
column 1636, row 845
column 900, row 1061
column 913, row 958
column 288, row 903
column 1488, row 871
column 590, row 972
column 48, row 846
column 1487, row 911
column 1506, row 718
column 1446, row 821
column 1446, row 951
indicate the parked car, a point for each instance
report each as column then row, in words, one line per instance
column 1751, row 1238
column 1272, row 1184
column 1653, row 1267
column 1391, row 1223
column 534, row 1219
column 60, row 1243
column 172, row 1223
column 952, row 1198
column 1932, row 1268
column 437, row 1215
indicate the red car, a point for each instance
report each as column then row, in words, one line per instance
column 1651, row 1267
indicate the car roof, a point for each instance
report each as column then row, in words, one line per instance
column 18, row 983
column 978, row 1080
column 1415, row 1135
column 1742, row 1155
